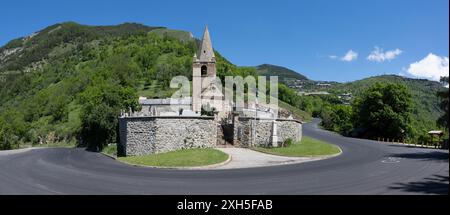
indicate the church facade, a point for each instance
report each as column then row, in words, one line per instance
column 172, row 124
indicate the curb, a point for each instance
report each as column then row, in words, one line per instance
column 313, row 158
column 108, row 155
column 209, row 166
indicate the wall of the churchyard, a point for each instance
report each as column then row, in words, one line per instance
column 148, row 135
column 286, row 128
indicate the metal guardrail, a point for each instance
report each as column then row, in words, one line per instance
column 436, row 145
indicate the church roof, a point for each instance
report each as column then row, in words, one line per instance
column 166, row 101
column 206, row 51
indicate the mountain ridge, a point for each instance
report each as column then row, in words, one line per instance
column 50, row 77
column 285, row 73
column 44, row 40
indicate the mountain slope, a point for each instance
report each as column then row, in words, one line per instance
column 24, row 51
column 68, row 82
column 284, row 73
column 70, row 79
column 426, row 104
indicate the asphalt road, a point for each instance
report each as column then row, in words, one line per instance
column 365, row 167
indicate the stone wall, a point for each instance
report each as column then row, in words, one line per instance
column 148, row 135
column 258, row 132
column 289, row 128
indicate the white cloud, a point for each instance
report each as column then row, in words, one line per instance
column 350, row 56
column 333, row 56
column 432, row 67
column 379, row 55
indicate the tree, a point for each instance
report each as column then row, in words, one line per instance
column 383, row 110
column 443, row 96
column 101, row 107
column 12, row 129
column 337, row 117
column 342, row 119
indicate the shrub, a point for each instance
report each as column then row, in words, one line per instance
column 288, row 142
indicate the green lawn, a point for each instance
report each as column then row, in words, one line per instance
column 180, row 158
column 307, row 147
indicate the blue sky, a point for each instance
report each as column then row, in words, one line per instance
column 311, row 36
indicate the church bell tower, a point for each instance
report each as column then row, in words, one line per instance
column 203, row 67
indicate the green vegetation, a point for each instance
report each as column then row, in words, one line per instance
column 180, row 158
column 383, row 110
column 99, row 112
column 284, row 74
column 69, row 82
column 73, row 80
column 42, row 43
column 58, row 145
column 307, row 147
column 427, row 106
column 405, row 109
column 181, row 35
column 296, row 112
column 110, row 149
column 425, row 103
column 309, row 105
column 335, row 111
column 443, row 97
column 338, row 118
column 86, row 76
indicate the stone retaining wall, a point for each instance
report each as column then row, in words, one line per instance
column 245, row 136
column 148, row 135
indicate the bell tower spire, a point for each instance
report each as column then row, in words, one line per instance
column 206, row 51
column 203, row 71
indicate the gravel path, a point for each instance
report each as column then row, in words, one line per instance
column 247, row 158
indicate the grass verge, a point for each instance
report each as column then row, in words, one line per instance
column 110, row 150
column 179, row 158
column 306, row 148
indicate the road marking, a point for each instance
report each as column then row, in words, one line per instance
column 391, row 160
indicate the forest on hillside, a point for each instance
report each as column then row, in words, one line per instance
column 68, row 83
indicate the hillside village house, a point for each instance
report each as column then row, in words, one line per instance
column 171, row 124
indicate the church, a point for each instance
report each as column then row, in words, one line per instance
column 205, row 119
column 206, row 92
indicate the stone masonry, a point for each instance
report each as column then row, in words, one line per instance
column 149, row 135
column 249, row 131
column 158, row 128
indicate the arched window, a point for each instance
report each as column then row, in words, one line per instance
column 204, row 70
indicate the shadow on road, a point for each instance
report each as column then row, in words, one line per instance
column 426, row 156
column 437, row 184
column 412, row 146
